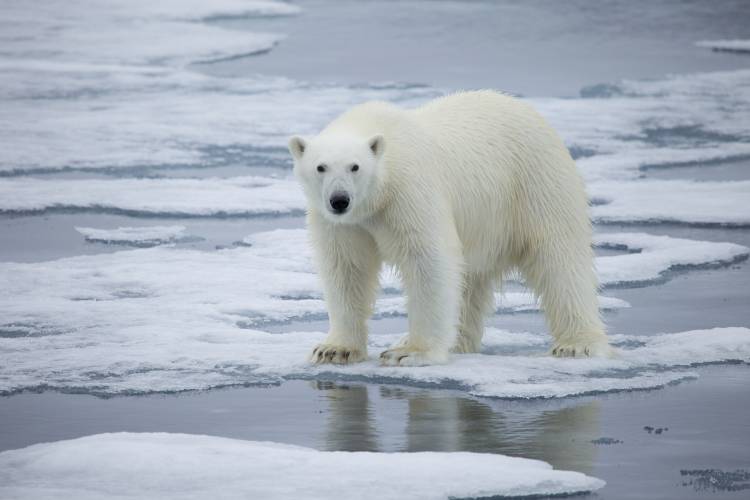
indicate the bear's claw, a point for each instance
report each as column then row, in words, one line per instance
column 582, row 350
column 335, row 354
column 401, row 356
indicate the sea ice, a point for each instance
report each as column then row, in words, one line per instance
column 161, row 465
column 652, row 256
column 726, row 45
column 171, row 319
column 709, row 203
column 182, row 197
column 71, row 86
column 135, row 236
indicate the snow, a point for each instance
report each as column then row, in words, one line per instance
column 139, row 32
column 714, row 203
column 726, row 45
column 195, row 466
column 136, row 236
column 250, row 195
column 653, row 256
column 171, row 319
column 632, row 125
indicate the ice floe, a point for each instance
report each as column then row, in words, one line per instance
column 161, row 465
column 141, row 32
column 170, row 319
column 703, row 203
column 177, row 197
column 136, row 236
column 652, row 256
column 725, row 45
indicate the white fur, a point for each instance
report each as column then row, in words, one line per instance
column 456, row 194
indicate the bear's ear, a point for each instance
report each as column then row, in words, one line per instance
column 377, row 145
column 297, row 146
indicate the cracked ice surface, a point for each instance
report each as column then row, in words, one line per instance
column 184, row 465
column 168, row 319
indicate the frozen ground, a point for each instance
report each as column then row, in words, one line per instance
column 175, row 141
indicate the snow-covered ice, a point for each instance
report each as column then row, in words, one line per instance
column 652, row 256
column 709, row 203
column 168, row 466
column 135, row 236
column 170, row 319
column 139, row 32
column 251, row 195
column 725, row 45
column 621, row 128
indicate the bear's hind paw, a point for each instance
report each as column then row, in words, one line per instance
column 336, row 354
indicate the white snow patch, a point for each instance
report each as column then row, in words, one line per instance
column 132, row 32
column 170, row 319
column 719, row 203
column 199, row 197
column 164, row 466
column 653, row 255
column 725, row 45
column 138, row 236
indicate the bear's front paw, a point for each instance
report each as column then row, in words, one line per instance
column 403, row 356
column 582, row 349
column 336, row 354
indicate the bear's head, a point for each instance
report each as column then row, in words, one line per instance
column 340, row 174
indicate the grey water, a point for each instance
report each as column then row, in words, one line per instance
column 690, row 440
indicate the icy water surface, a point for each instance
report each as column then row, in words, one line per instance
column 155, row 275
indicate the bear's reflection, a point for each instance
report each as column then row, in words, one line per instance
column 350, row 425
column 557, row 432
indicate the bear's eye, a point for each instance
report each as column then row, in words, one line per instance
column 321, row 168
column 355, row 167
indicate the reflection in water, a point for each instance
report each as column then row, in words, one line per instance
column 557, row 432
column 350, row 425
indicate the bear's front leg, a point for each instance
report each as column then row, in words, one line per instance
column 432, row 279
column 348, row 263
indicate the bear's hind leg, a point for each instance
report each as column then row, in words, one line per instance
column 478, row 300
column 563, row 277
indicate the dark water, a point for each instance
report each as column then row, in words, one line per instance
column 533, row 48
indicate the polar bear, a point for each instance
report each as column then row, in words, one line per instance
column 455, row 194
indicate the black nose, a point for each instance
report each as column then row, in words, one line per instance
column 339, row 202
